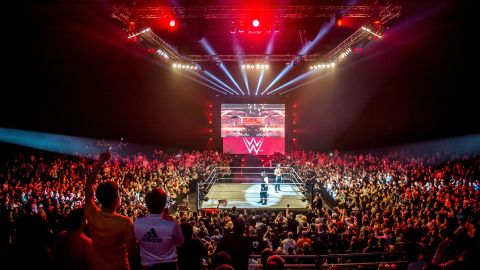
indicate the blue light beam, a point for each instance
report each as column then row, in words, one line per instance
column 63, row 144
column 304, row 50
column 298, row 78
column 206, row 45
column 219, row 81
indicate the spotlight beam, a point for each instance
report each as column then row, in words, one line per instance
column 268, row 51
column 222, row 66
column 304, row 50
column 210, row 81
column 245, row 79
column 57, row 143
column 239, row 51
column 298, row 78
column 305, row 83
column 206, row 45
column 221, row 82
column 260, row 81
column 200, row 82
column 278, row 77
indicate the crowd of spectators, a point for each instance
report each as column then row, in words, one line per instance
column 422, row 209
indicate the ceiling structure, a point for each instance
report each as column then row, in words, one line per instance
column 218, row 44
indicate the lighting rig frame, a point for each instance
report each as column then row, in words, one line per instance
column 234, row 12
column 133, row 13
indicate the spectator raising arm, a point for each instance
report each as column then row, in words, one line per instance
column 89, row 191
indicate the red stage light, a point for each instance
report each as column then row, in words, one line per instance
column 210, row 122
column 172, row 23
column 255, row 23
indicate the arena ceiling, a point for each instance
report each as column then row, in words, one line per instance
column 228, row 44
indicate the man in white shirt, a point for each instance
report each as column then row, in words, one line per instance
column 289, row 242
column 157, row 235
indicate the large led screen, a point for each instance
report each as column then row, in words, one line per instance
column 257, row 129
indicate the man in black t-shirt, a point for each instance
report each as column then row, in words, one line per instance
column 191, row 253
column 237, row 245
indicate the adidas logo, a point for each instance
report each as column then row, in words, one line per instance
column 151, row 236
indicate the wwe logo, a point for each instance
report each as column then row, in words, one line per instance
column 253, row 145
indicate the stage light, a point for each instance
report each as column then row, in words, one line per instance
column 371, row 32
column 162, row 53
column 233, row 28
column 172, row 23
column 185, row 66
column 255, row 23
column 276, row 26
column 345, row 53
column 241, row 27
column 257, row 66
column 139, row 33
column 338, row 20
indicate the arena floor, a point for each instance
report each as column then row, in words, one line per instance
column 246, row 196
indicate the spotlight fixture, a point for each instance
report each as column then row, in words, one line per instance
column 371, row 32
column 257, row 66
column 139, row 33
column 241, row 27
column 162, row 53
column 172, row 23
column 254, row 26
column 344, row 54
column 276, row 26
column 323, row 66
column 185, row 66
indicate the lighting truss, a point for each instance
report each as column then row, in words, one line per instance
column 128, row 13
column 254, row 57
column 387, row 13
column 347, row 43
column 229, row 12
column 122, row 13
column 150, row 40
